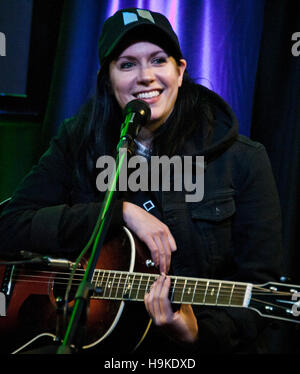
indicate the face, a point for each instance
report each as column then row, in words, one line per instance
column 145, row 71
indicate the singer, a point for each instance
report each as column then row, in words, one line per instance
column 233, row 233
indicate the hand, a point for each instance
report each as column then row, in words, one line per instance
column 154, row 233
column 182, row 325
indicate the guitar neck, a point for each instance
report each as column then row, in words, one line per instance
column 119, row 285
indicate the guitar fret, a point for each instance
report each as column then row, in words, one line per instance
column 211, row 293
column 193, row 298
column 143, row 286
column 224, row 296
column 111, row 285
column 183, row 291
column 238, row 295
column 107, row 285
column 128, row 286
column 117, row 288
column 97, row 280
column 139, row 287
column 217, row 298
column 147, row 289
column 101, row 282
column 94, row 275
column 199, row 293
column 189, row 291
column 103, row 274
column 122, row 282
column 178, row 291
column 231, row 293
column 125, row 286
column 205, row 294
column 131, row 287
column 173, row 290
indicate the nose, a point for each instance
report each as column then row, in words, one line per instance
column 146, row 75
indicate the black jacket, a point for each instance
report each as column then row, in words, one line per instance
column 233, row 233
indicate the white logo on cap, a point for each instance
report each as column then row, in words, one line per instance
column 145, row 14
column 129, row 17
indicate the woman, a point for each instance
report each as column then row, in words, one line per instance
column 233, row 233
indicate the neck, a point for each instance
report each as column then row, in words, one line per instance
column 145, row 137
column 123, row 285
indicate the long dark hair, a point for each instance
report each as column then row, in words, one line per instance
column 97, row 126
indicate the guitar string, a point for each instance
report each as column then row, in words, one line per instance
column 238, row 289
column 142, row 290
column 214, row 284
column 269, row 304
column 107, row 274
column 196, row 294
column 107, row 278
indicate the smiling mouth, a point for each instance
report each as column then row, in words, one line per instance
column 148, row 95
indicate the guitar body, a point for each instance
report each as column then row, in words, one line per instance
column 111, row 324
column 32, row 307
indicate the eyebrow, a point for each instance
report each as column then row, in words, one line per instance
column 151, row 55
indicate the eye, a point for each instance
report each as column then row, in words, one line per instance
column 126, row 65
column 159, row 60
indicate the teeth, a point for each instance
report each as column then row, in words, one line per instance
column 147, row 95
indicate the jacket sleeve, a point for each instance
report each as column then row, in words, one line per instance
column 40, row 216
column 256, row 237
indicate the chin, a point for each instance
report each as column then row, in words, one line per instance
column 153, row 125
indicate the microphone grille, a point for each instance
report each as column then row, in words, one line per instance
column 140, row 107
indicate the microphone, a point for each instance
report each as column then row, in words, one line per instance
column 137, row 113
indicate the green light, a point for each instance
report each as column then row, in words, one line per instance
column 13, row 95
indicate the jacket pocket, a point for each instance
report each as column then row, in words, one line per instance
column 214, row 210
column 212, row 220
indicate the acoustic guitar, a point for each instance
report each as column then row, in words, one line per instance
column 124, row 273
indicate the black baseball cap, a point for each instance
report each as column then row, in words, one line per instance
column 132, row 24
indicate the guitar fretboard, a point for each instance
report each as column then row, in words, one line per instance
column 120, row 285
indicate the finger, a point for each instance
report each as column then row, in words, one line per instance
column 172, row 241
column 147, row 302
column 153, row 248
column 165, row 304
column 151, row 297
column 157, row 294
column 167, row 251
column 161, row 305
column 163, row 251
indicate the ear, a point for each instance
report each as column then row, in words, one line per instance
column 181, row 69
